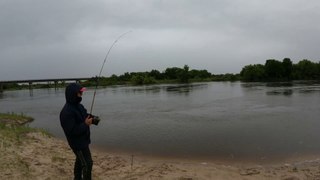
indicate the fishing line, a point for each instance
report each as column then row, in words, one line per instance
column 104, row 61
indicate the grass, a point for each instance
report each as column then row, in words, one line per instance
column 13, row 134
column 13, row 126
column 57, row 158
column 15, row 117
column 12, row 131
column 14, row 123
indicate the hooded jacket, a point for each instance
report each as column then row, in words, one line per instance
column 72, row 119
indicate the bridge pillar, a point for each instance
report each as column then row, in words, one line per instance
column 30, row 85
column 55, row 84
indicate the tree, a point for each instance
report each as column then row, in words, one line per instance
column 305, row 69
column 254, row 72
column 199, row 74
column 172, row 73
column 287, row 68
column 125, row 77
column 273, row 69
column 137, row 79
column 183, row 74
column 149, row 80
column 156, row 74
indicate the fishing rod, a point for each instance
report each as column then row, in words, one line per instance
column 104, row 61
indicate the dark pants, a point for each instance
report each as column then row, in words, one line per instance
column 83, row 164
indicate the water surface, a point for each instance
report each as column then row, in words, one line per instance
column 216, row 120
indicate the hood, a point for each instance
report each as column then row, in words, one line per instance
column 71, row 93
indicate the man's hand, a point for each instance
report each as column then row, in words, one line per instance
column 88, row 120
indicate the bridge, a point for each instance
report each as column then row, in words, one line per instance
column 31, row 81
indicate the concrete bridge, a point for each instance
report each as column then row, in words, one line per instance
column 31, row 81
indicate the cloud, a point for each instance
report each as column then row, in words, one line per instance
column 50, row 39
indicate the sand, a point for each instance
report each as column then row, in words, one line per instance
column 39, row 156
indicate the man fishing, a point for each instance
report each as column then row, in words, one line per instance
column 76, row 122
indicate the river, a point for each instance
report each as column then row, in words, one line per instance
column 215, row 120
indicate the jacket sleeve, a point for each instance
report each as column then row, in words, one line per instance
column 84, row 111
column 68, row 123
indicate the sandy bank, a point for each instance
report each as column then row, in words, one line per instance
column 38, row 156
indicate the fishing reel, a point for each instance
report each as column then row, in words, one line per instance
column 95, row 119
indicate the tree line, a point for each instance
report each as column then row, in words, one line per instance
column 169, row 75
column 285, row 70
column 272, row 70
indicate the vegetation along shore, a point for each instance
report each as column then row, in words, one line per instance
column 272, row 70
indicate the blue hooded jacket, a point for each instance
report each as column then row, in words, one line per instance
column 72, row 119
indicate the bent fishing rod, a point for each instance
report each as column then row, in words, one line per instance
column 104, row 61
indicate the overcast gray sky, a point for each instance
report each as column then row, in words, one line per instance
column 70, row 38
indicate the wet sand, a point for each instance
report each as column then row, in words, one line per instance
column 39, row 156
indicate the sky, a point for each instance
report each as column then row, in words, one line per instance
column 42, row 39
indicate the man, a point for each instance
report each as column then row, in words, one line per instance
column 76, row 122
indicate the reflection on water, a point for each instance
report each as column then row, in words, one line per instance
column 279, row 84
column 184, row 88
column 31, row 92
column 285, row 88
column 139, row 89
column 172, row 88
column 285, row 92
column 224, row 120
column 291, row 88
